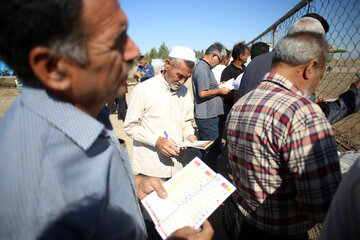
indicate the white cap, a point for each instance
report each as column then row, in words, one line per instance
column 184, row 53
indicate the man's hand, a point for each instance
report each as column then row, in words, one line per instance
column 191, row 138
column 143, row 73
column 205, row 232
column 167, row 147
column 320, row 99
column 145, row 185
column 224, row 90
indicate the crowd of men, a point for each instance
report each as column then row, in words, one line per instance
column 64, row 175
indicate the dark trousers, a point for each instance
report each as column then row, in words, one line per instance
column 209, row 130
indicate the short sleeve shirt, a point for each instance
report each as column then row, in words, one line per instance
column 202, row 80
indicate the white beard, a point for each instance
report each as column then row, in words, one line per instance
column 174, row 86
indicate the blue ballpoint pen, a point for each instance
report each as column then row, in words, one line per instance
column 166, row 135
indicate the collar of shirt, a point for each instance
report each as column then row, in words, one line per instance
column 74, row 123
column 206, row 63
column 282, row 82
column 242, row 65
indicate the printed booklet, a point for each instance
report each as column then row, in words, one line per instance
column 194, row 194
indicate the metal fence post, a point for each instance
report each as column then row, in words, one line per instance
column 275, row 36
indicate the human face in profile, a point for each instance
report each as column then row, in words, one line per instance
column 110, row 52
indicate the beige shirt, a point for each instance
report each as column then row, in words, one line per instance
column 153, row 109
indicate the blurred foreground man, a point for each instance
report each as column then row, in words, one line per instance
column 70, row 179
column 282, row 149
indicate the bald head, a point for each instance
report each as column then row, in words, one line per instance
column 300, row 48
column 307, row 24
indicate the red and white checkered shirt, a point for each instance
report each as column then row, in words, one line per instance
column 283, row 156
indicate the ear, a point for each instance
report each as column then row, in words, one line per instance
column 167, row 64
column 50, row 70
column 310, row 69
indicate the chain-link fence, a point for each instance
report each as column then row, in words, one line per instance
column 343, row 67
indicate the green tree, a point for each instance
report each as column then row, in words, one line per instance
column 152, row 55
column 163, row 52
column 199, row 53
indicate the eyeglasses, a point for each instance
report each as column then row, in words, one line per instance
column 220, row 59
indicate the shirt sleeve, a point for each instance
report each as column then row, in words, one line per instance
column 134, row 127
column 313, row 161
column 150, row 73
column 202, row 82
column 348, row 103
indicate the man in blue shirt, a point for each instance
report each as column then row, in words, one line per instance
column 70, row 178
column 144, row 70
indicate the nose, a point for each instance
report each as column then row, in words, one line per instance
column 131, row 50
column 182, row 81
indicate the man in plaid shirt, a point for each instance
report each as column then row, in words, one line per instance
column 282, row 150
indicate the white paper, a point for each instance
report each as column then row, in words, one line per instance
column 197, row 144
column 330, row 100
column 228, row 84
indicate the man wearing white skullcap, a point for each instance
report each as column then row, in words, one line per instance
column 160, row 116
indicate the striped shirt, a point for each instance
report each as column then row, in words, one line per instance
column 283, row 156
column 63, row 175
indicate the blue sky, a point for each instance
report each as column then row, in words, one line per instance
column 199, row 23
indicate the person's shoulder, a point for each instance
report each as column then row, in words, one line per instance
column 306, row 108
column 261, row 59
column 200, row 68
column 148, row 82
column 228, row 67
column 20, row 123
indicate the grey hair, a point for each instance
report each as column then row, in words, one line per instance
column 307, row 24
column 73, row 47
column 176, row 61
column 218, row 49
column 300, row 48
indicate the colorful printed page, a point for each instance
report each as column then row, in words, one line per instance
column 193, row 194
column 197, row 144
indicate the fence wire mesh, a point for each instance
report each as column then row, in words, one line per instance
column 343, row 68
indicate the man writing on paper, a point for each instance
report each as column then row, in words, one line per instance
column 162, row 105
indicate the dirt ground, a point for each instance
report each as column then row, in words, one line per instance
column 7, row 96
